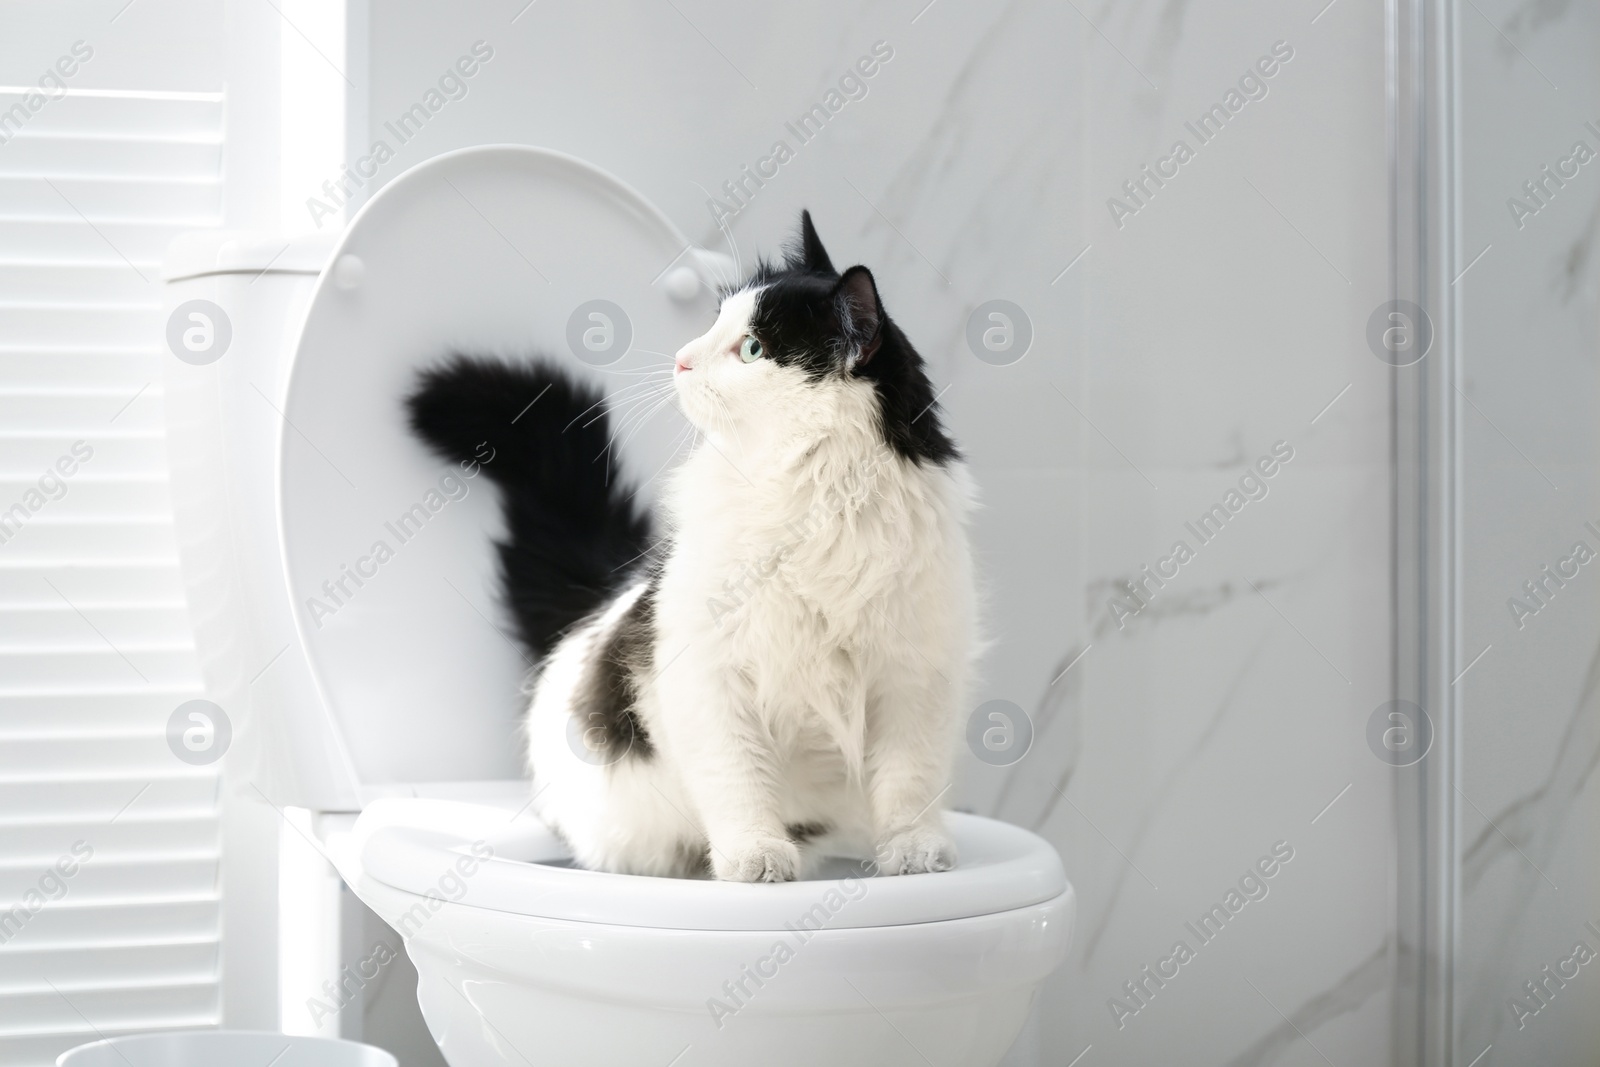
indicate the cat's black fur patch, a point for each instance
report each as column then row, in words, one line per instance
column 606, row 699
column 571, row 532
column 804, row 318
column 801, row 832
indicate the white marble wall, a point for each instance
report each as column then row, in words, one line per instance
column 1530, row 811
column 1170, row 352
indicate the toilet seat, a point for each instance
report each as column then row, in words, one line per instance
column 516, row 966
column 406, row 844
column 399, row 669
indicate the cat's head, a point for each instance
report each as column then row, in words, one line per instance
column 799, row 344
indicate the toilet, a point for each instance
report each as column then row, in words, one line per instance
column 343, row 592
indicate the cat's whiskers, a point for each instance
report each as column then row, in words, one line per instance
column 652, row 352
column 638, row 371
column 731, row 423
column 629, row 393
column 672, row 454
column 616, row 439
column 611, row 398
column 649, row 550
column 638, row 411
column 733, row 246
column 727, row 232
column 640, row 420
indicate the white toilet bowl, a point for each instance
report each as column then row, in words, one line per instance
column 371, row 686
column 524, row 959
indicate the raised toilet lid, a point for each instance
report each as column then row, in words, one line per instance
column 495, row 250
column 413, row 844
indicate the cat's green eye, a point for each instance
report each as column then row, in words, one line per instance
column 750, row 349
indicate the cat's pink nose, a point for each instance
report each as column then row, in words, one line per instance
column 682, row 363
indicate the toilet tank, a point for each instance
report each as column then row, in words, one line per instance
column 234, row 305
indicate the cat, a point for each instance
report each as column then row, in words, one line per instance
column 772, row 671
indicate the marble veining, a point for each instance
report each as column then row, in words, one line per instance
column 1094, row 927
column 1361, row 983
column 1527, row 827
column 1574, row 264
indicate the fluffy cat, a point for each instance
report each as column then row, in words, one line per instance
column 776, row 673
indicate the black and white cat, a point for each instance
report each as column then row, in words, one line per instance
column 779, row 667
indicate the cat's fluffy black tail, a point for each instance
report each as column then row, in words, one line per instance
column 541, row 436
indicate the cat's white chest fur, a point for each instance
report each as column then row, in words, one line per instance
column 819, row 598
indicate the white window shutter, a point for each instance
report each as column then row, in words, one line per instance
column 95, row 650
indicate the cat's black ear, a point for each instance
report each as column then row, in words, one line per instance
column 810, row 256
column 859, row 311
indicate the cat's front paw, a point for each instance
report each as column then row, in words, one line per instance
column 916, row 851
column 756, row 859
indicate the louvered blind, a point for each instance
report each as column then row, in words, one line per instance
column 95, row 650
